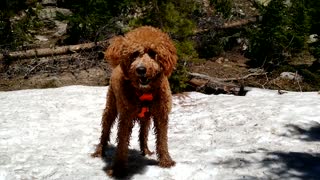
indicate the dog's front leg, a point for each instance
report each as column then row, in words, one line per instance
column 108, row 119
column 161, row 131
column 121, row 157
column 143, row 136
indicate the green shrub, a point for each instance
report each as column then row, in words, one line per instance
column 93, row 20
column 315, row 49
column 5, row 30
column 282, row 33
column 185, row 50
column 16, row 33
column 179, row 78
column 209, row 45
column 223, row 6
column 313, row 9
column 311, row 78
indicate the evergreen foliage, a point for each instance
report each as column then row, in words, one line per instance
column 315, row 49
column 282, row 34
column 179, row 78
column 209, row 45
column 92, row 17
column 8, row 9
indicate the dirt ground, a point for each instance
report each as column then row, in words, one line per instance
column 49, row 72
column 88, row 69
column 233, row 65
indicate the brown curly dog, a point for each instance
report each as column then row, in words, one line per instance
column 139, row 90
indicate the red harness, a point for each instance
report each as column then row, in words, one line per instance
column 146, row 97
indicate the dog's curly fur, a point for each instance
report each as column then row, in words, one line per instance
column 142, row 59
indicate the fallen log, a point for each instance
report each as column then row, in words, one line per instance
column 209, row 85
column 49, row 51
column 232, row 24
column 241, row 22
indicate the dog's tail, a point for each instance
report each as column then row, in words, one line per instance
column 113, row 52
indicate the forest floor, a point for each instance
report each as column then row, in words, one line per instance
column 88, row 69
column 233, row 64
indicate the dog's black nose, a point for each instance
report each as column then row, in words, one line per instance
column 141, row 71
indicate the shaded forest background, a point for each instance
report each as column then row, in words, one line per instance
column 263, row 36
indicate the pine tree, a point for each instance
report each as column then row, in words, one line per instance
column 282, row 33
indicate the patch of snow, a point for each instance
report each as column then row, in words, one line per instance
column 50, row 133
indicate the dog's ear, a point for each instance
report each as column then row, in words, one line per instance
column 168, row 55
column 113, row 54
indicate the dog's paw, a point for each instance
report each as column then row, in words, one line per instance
column 118, row 174
column 166, row 163
column 98, row 152
column 146, row 151
column 117, row 170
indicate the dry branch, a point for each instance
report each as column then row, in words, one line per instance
column 49, row 51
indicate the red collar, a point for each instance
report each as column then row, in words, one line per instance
column 145, row 97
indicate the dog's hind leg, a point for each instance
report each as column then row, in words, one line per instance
column 143, row 136
column 108, row 118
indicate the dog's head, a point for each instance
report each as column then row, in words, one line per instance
column 144, row 54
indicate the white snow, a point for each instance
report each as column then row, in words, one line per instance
column 50, row 133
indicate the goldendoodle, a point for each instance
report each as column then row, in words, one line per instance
column 139, row 90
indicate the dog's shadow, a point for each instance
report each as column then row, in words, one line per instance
column 137, row 163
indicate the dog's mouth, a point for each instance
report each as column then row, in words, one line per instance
column 144, row 81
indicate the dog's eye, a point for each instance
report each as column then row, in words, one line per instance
column 135, row 55
column 152, row 54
